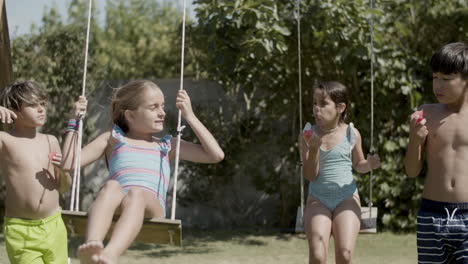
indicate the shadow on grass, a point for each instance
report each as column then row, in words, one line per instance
column 243, row 235
column 197, row 241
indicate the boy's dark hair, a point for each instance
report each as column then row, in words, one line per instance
column 451, row 58
column 338, row 93
column 17, row 94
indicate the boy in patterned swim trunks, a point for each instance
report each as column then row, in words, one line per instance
column 30, row 162
column 442, row 133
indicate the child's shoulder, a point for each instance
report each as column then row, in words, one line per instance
column 167, row 139
column 353, row 128
column 51, row 139
column 432, row 107
column 3, row 135
column 432, row 111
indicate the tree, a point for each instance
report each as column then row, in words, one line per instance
column 246, row 46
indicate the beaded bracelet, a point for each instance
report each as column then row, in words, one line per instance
column 72, row 125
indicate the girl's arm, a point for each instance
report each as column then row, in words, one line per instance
column 91, row 152
column 360, row 164
column 310, row 154
column 209, row 150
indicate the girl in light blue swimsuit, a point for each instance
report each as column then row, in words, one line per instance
column 328, row 156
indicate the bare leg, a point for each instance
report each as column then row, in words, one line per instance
column 318, row 224
column 134, row 205
column 346, row 224
column 99, row 221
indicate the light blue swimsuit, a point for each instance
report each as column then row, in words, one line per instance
column 335, row 182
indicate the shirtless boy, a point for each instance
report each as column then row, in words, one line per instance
column 30, row 164
column 442, row 134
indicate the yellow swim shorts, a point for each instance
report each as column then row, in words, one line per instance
column 36, row 241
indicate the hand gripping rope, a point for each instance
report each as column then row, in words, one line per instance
column 179, row 118
column 75, row 196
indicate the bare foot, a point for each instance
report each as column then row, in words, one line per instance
column 89, row 252
column 106, row 258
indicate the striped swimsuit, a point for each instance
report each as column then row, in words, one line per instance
column 442, row 232
column 147, row 168
column 335, row 182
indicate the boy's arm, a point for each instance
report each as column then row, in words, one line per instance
column 361, row 164
column 417, row 138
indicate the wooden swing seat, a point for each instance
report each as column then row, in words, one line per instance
column 157, row 231
column 368, row 220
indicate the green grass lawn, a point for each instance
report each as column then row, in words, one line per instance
column 248, row 247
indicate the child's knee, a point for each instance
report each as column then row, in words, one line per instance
column 317, row 255
column 344, row 254
column 134, row 196
column 111, row 186
column 110, row 189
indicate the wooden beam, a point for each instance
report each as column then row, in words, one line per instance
column 6, row 70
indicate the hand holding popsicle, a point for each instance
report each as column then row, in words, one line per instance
column 419, row 115
column 55, row 158
column 311, row 138
column 418, row 128
column 308, row 132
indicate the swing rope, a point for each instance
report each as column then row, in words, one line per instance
column 299, row 64
column 372, row 99
column 179, row 118
column 75, row 196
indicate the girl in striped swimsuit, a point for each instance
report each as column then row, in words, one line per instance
column 329, row 156
column 139, row 165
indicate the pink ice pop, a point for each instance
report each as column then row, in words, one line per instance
column 308, row 132
column 51, row 155
column 420, row 115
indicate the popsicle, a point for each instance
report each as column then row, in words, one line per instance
column 308, row 131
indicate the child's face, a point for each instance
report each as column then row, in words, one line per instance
column 149, row 116
column 325, row 110
column 448, row 88
column 34, row 115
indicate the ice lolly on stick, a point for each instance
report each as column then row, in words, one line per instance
column 308, row 131
column 51, row 155
column 420, row 116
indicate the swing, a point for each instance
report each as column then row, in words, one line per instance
column 369, row 213
column 158, row 231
